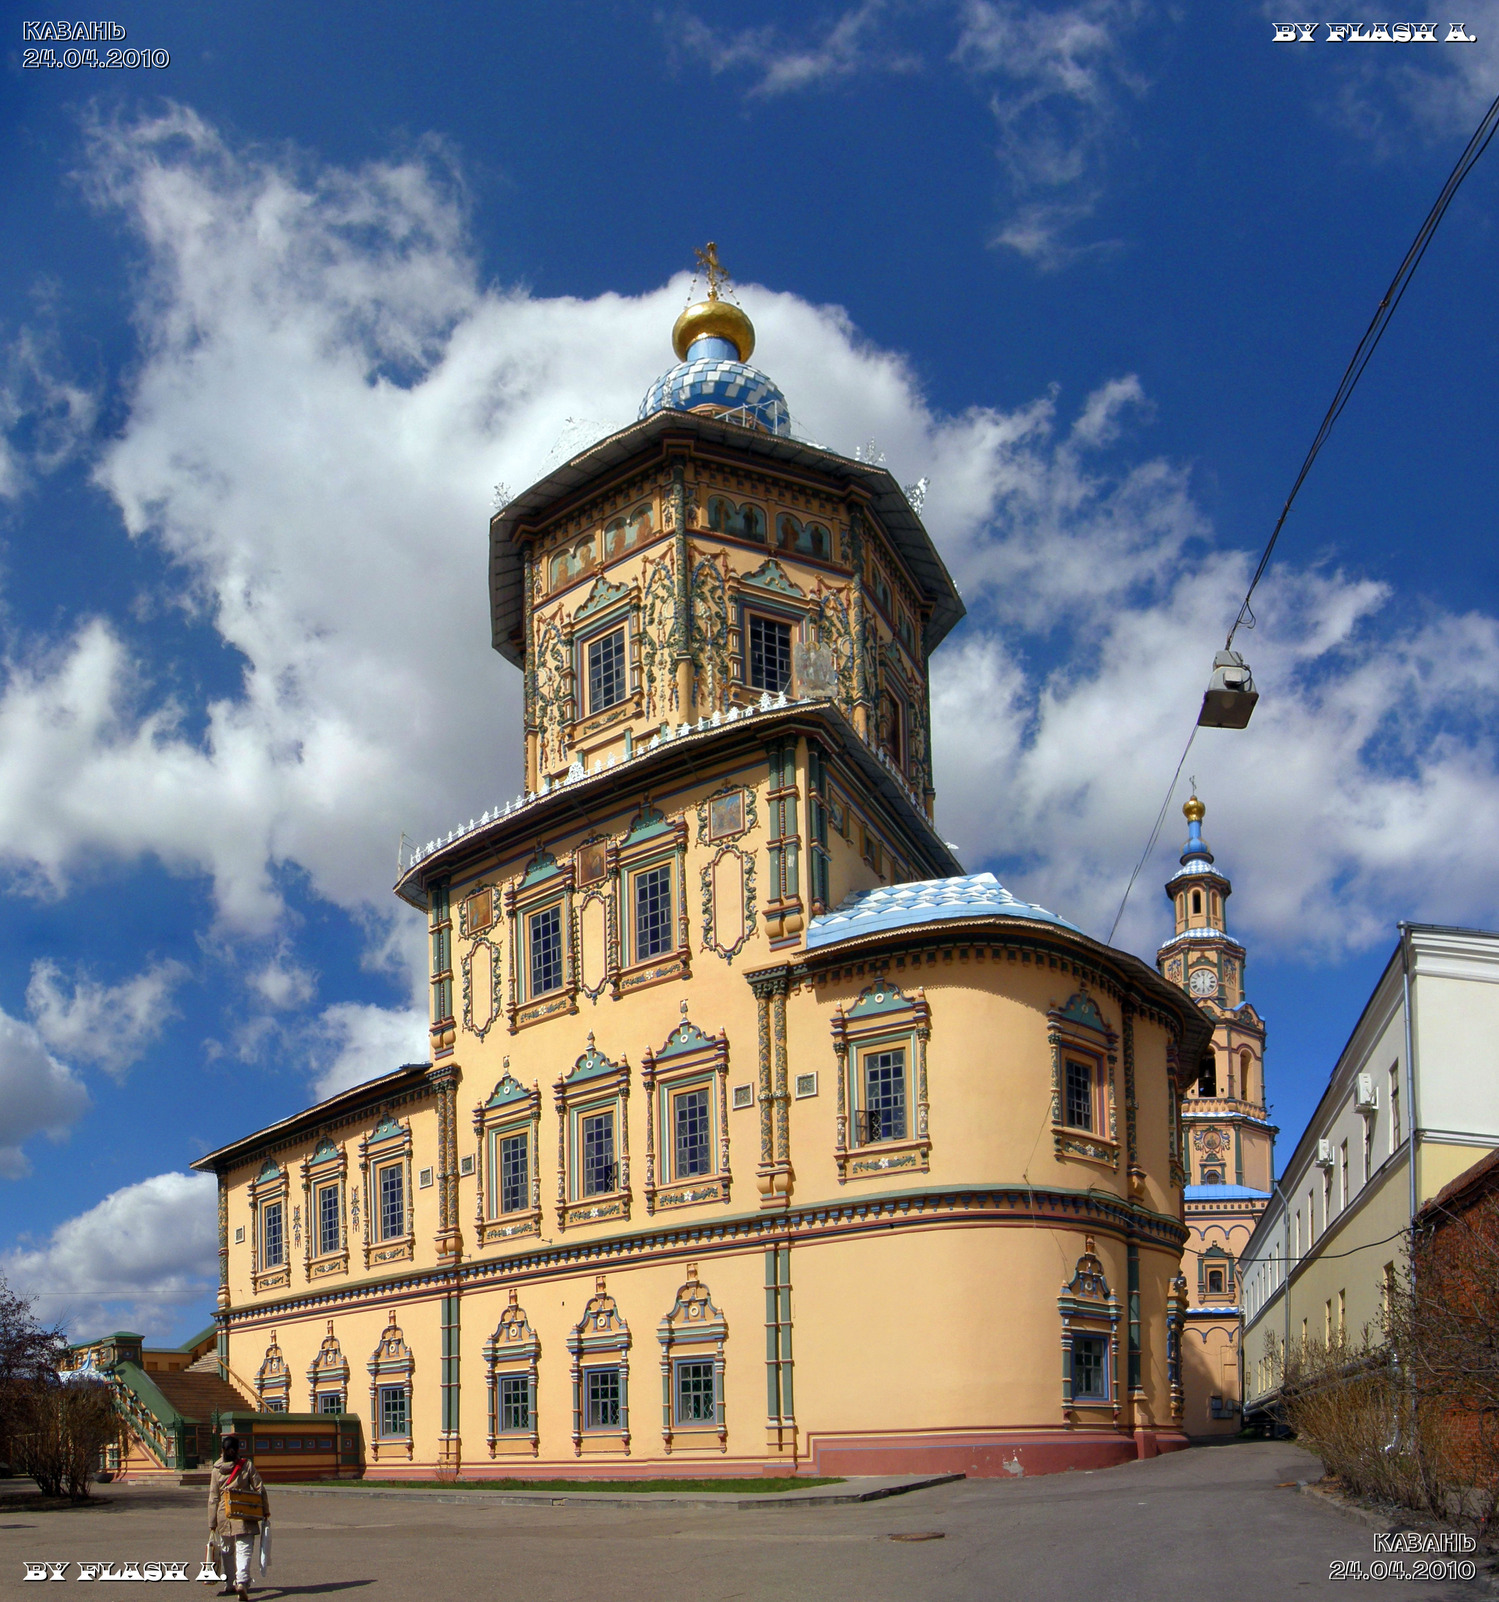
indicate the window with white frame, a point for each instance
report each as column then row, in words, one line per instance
column 395, row 1421
column 596, row 1132
column 329, row 1233
column 390, row 1182
column 769, row 653
column 696, row 1394
column 514, row 1404
column 882, row 1111
column 606, row 670
column 273, row 1235
column 692, row 1132
column 654, row 924
column 1089, row 1367
column 544, row 943
column 601, row 1398
column 1079, row 1108
column 513, row 1172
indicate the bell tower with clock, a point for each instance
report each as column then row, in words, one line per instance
column 1228, row 1138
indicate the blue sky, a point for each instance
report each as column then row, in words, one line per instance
column 277, row 319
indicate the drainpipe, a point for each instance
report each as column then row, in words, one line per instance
column 1285, row 1284
column 1410, row 1064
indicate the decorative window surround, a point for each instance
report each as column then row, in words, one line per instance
column 391, row 1363
column 607, row 607
column 601, row 1338
column 694, row 1328
column 512, row 1352
column 883, row 1018
column 440, row 938
column 689, row 1060
column 328, row 1165
column 592, row 1085
column 329, row 1375
column 1088, row 1307
column 1077, row 1031
column 652, row 841
column 510, row 1110
column 273, row 1380
column 545, row 883
column 271, row 1184
column 389, row 1141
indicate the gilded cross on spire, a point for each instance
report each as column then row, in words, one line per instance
column 712, row 268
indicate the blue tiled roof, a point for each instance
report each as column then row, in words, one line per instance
column 1224, row 1193
column 974, row 895
column 715, row 381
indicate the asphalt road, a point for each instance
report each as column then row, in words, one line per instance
column 1212, row 1522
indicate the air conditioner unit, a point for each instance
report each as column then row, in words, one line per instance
column 1365, row 1094
column 1324, row 1154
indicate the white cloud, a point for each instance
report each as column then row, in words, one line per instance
column 855, row 41
column 45, row 414
column 142, row 1252
column 355, row 1043
column 1063, row 77
column 38, row 1095
column 107, row 1025
column 282, row 982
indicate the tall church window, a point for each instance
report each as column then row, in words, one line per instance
column 1196, row 902
column 598, row 1154
column 606, row 671
column 769, row 654
column 653, row 912
column 545, row 930
column 883, row 1115
column 1079, row 1095
column 273, row 1235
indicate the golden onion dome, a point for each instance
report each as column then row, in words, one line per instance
column 1194, row 811
column 717, row 319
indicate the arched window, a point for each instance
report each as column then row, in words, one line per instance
column 1215, row 1281
column 1196, row 903
column 1245, row 1061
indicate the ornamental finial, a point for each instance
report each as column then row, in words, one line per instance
column 712, row 268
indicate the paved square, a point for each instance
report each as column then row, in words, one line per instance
column 1149, row 1532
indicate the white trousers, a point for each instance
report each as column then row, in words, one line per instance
column 236, row 1559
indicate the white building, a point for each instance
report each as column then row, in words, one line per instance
column 1411, row 1104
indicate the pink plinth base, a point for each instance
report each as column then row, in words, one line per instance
column 986, row 1454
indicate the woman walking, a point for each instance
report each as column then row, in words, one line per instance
column 237, row 1507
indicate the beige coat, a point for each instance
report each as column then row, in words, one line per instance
column 247, row 1480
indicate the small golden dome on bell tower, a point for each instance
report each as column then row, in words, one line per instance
column 1194, row 811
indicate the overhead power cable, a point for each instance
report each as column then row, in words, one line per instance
column 1487, row 126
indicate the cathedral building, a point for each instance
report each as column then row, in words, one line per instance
column 756, row 1136
column 1228, row 1140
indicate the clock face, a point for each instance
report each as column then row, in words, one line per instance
column 1204, row 982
